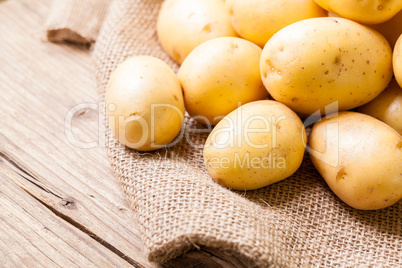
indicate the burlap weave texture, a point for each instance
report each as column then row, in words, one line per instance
column 297, row 222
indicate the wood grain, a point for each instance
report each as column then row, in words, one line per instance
column 60, row 205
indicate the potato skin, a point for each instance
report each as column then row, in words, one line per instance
column 387, row 107
column 219, row 75
column 135, row 87
column 397, row 61
column 315, row 62
column 368, row 12
column 361, row 160
column 183, row 25
column 258, row 144
column 258, row 20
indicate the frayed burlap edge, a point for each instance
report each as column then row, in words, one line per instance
column 76, row 21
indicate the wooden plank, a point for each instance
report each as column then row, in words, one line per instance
column 33, row 236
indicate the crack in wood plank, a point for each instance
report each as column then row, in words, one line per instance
column 8, row 159
column 67, row 202
column 26, row 175
column 89, row 233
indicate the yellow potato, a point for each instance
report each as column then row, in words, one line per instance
column 256, row 145
column 317, row 62
column 368, row 11
column 218, row 76
column 360, row 159
column 387, row 107
column 182, row 25
column 144, row 103
column 390, row 29
column 258, row 20
column 397, row 61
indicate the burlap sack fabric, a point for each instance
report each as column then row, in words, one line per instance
column 297, row 222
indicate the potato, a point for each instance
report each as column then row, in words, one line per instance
column 219, row 76
column 390, row 29
column 182, row 25
column 317, row 62
column 397, row 61
column 360, row 159
column 258, row 20
column 256, row 145
column 144, row 101
column 368, row 11
column 387, row 107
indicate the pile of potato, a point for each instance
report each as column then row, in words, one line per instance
column 254, row 69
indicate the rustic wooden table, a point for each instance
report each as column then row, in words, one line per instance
column 60, row 204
